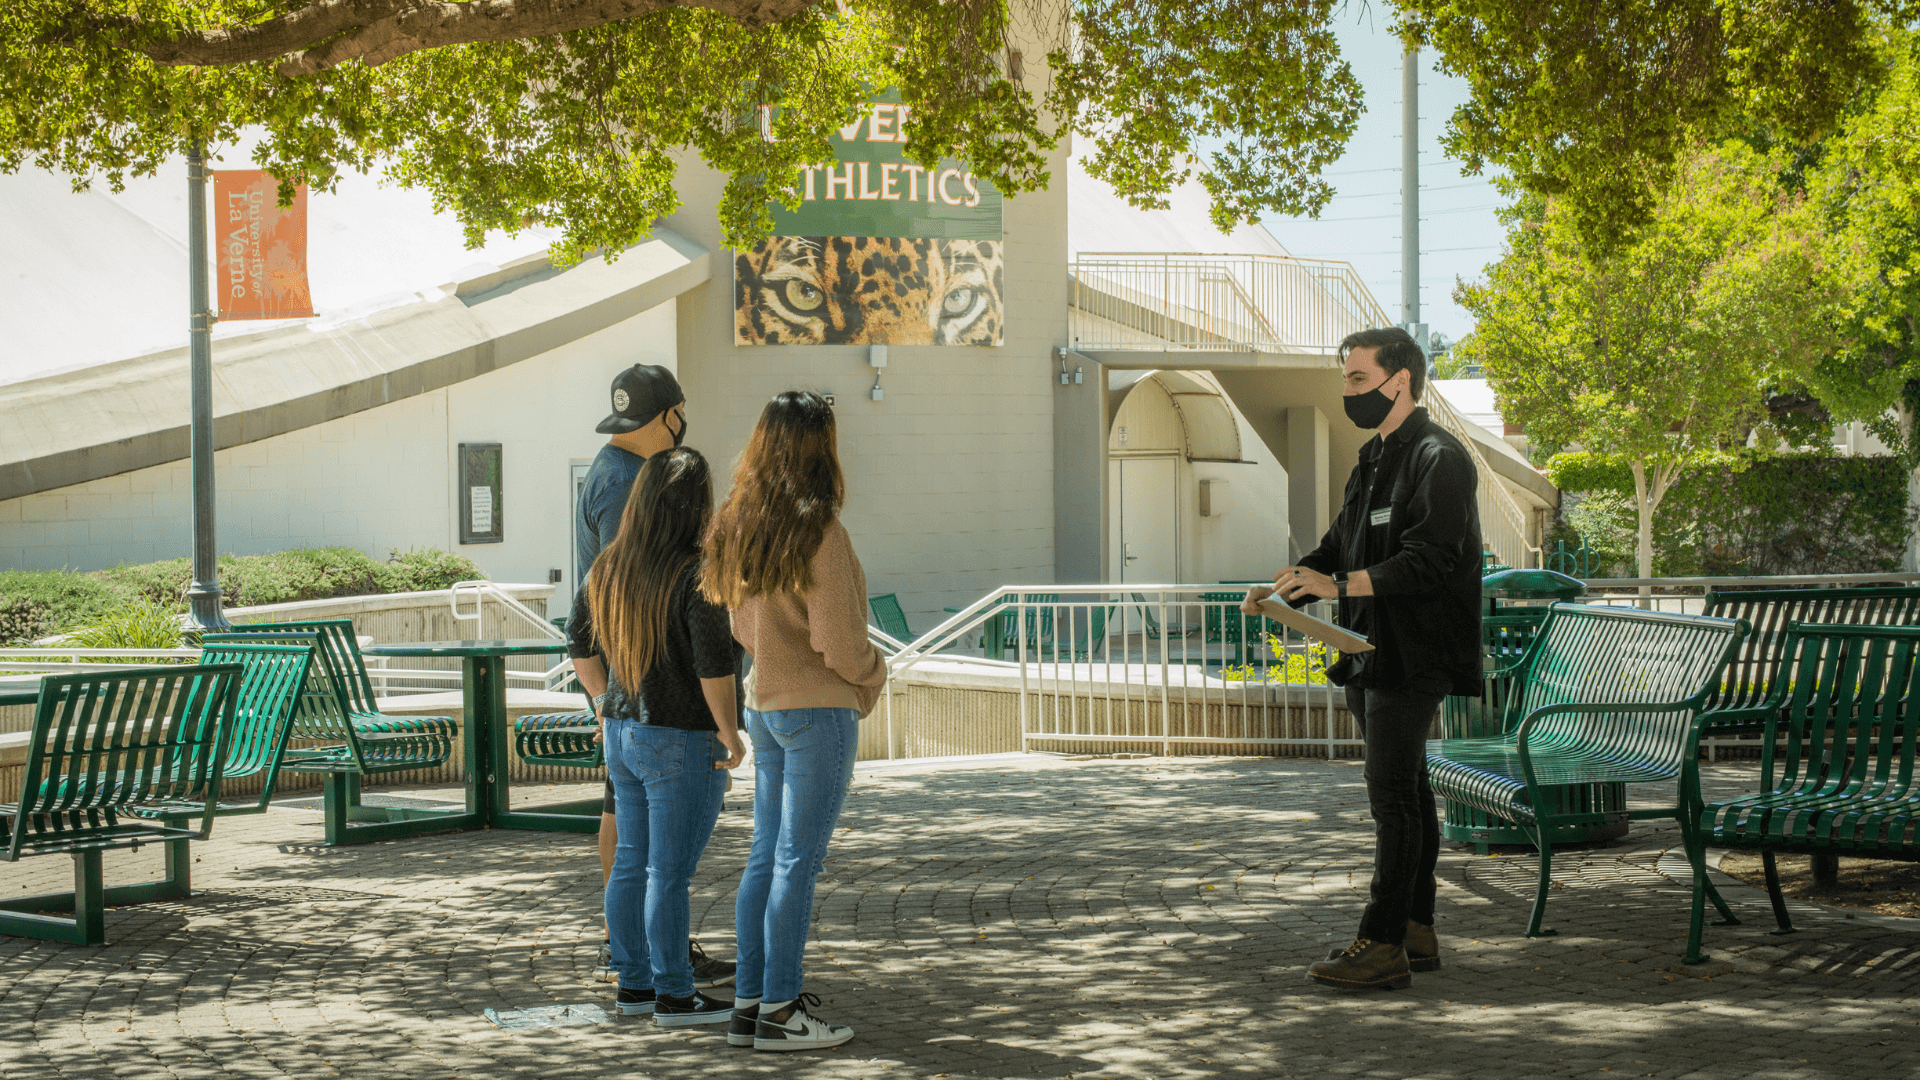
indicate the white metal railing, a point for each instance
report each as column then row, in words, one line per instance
column 1227, row 303
column 560, row 675
column 1503, row 524
column 1151, row 666
column 67, row 660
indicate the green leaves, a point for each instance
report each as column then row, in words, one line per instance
column 1596, row 102
column 1256, row 86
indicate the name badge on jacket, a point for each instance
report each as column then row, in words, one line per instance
column 1381, row 516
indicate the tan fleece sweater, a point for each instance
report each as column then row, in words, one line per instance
column 812, row 652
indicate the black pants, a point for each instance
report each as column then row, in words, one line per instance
column 1406, row 829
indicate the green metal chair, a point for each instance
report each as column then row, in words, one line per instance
column 1505, row 640
column 888, row 616
column 116, row 760
column 354, row 739
column 1738, row 706
column 568, row 740
column 1836, row 762
column 1608, row 697
column 275, row 677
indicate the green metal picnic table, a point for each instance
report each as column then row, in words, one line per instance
column 488, row 742
column 993, row 630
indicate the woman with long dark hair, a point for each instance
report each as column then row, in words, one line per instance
column 778, row 557
column 670, row 723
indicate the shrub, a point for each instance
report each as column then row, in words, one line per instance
column 34, row 604
column 141, row 624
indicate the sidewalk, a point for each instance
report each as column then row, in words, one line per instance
column 1007, row 917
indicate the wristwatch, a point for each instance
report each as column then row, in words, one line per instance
column 1340, row 582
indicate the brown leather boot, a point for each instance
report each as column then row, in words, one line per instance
column 1422, row 945
column 1365, row 965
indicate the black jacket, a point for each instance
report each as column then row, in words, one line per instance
column 1424, row 562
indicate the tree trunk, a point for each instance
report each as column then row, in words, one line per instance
column 1910, row 562
column 1643, row 546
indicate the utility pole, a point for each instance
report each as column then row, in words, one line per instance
column 1410, row 197
column 203, row 598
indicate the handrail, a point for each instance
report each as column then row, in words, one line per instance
column 483, row 590
column 1901, row 576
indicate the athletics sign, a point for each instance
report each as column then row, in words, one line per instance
column 262, row 249
column 881, row 251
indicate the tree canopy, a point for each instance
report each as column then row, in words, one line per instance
column 1656, row 352
column 573, row 113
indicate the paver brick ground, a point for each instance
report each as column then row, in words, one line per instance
column 1012, row 917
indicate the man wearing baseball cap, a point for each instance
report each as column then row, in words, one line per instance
column 649, row 415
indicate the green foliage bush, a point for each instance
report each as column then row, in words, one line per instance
column 34, row 604
column 1803, row 513
column 141, row 624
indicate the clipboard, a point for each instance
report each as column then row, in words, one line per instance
column 1319, row 629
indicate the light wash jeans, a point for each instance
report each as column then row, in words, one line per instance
column 666, row 799
column 802, row 764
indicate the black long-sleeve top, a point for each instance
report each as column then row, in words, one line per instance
column 699, row 645
column 1411, row 520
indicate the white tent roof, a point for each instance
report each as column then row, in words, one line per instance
column 1098, row 219
column 99, row 276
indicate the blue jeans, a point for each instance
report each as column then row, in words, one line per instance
column 802, row 764
column 667, row 797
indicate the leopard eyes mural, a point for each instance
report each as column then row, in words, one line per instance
column 881, row 251
column 835, row 290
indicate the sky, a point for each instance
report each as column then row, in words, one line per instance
column 1459, row 233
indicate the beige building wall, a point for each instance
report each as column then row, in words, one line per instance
column 950, row 477
column 375, row 480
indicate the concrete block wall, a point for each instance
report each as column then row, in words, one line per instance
column 376, row 480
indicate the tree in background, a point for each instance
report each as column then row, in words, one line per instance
column 1655, row 350
column 575, row 114
column 1597, row 103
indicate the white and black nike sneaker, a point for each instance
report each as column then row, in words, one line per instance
column 792, row 1027
column 746, row 1020
column 670, row 1011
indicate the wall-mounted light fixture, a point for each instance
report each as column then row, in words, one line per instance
column 877, row 360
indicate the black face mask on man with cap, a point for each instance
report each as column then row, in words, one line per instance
column 678, row 436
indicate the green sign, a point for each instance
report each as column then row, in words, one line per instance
column 873, row 190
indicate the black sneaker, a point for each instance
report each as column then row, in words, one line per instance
column 687, row 1011
column 745, row 1021
column 603, row 966
column 633, row 1002
column 798, row 1030
column 706, row 970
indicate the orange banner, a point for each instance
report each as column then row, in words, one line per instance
column 262, row 248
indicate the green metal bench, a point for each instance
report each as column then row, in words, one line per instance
column 888, row 616
column 1607, row 697
column 564, row 739
column 116, row 760
column 343, row 735
column 1837, row 757
column 1737, row 707
column 1505, row 641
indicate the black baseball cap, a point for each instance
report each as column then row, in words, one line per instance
column 640, row 393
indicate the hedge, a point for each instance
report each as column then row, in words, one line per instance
column 1807, row 513
column 36, row 603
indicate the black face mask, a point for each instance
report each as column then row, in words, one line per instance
column 1369, row 410
column 678, row 436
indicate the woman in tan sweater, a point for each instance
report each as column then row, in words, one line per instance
column 778, row 557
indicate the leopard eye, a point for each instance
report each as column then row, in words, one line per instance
column 957, row 302
column 804, row 296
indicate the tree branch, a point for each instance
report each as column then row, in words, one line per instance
column 327, row 33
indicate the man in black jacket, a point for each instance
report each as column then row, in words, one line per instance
column 1403, row 559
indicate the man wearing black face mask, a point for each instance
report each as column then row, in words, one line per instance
column 1403, row 560
column 649, row 415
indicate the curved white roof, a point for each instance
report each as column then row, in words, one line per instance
column 1098, row 219
column 97, row 276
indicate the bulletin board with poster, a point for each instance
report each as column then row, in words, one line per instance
column 880, row 252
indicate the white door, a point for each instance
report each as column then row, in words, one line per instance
column 1147, row 496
